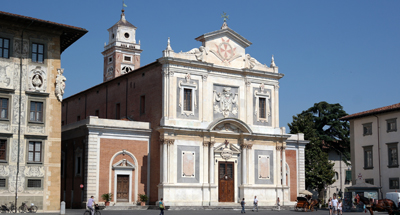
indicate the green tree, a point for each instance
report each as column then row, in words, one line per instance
column 322, row 126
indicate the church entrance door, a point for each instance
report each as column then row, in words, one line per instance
column 122, row 188
column 226, row 180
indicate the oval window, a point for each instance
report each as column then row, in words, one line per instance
column 126, row 35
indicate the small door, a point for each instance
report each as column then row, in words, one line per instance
column 226, row 182
column 122, row 188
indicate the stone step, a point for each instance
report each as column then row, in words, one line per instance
column 125, row 207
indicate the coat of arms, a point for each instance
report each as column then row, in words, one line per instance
column 227, row 102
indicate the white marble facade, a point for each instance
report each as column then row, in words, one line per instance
column 223, row 142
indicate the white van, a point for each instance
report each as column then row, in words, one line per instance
column 394, row 196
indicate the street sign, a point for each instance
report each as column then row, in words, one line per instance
column 359, row 176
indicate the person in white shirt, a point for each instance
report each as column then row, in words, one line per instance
column 90, row 204
column 340, row 207
column 334, row 204
column 255, row 203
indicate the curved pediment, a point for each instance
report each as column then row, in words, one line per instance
column 230, row 125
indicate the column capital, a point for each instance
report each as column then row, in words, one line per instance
column 211, row 143
column 205, row 143
column 167, row 141
column 249, row 146
column 278, row 148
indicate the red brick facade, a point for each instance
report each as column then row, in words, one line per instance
column 291, row 160
column 104, row 99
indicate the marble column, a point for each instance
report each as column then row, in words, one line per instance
column 212, row 163
column 278, row 165
column 283, row 166
column 244, row 164
column 205, row 162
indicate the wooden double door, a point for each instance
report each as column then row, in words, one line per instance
column 122, row 188
column 226, row 182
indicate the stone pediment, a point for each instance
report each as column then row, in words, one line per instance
column 123, row 164
column 227, row 128
column 223, row 47
column 226, row 150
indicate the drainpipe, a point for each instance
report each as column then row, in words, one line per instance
column 379, row 158
column 19, row 114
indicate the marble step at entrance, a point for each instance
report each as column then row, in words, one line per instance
column 124, row 206
column 232, row 206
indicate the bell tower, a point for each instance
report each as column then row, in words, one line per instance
column 122, row 54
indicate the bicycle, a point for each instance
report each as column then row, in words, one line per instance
column 24, row 208
column 5, row 209
column 96, row 211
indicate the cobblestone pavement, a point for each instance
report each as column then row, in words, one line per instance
column 200, row 212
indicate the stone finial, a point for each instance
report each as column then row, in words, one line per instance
column 169, row 45
column 272, row 62
column 123, row 15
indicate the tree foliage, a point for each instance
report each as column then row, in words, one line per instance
column 322, row 126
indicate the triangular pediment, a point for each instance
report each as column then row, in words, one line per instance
column 223, row 147
column 227, row 33
column 123, row 164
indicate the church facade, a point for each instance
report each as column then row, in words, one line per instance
column 204, row 125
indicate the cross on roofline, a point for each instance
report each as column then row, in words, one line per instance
column 224, row 16
column 226, row 143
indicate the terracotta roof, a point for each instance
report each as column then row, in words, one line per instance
column 385, row 109
column 69, row 35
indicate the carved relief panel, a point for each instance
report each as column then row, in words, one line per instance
column 262, row 112
column 225, row 101
column 187, row 98
column 6, row 75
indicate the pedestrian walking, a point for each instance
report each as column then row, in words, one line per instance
column 330, row 205
column 334, row 204
column 255, row 203
column 161, row 205
column 243, row 203
column 340, row 207
column 278, row 203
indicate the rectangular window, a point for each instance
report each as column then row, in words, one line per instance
column 78, row 165
column 368, row 159
column 393, row 155
column 2, row 182
column 3, row 150
column 3, row 108
column 34, row 183
column 127, row 58
column 262, row 107
column 187, row 103
column 4, row 47
column 142, row 104
column 393, row 183
column 367, row 129
column 96, row 112
column 78, row 118
column 36, row 112
column 35, row 151
column 369, row 181
column 391, row 125
column 37, row 52
column 118, row 111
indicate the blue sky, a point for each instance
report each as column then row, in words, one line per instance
column 336, row 51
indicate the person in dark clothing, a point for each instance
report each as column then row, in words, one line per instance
column 243, row 203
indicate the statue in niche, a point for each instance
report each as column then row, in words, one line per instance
column 226, row 101
column 199, row 53
column 60, row 84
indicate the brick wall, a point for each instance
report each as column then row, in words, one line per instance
column 291, row 160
